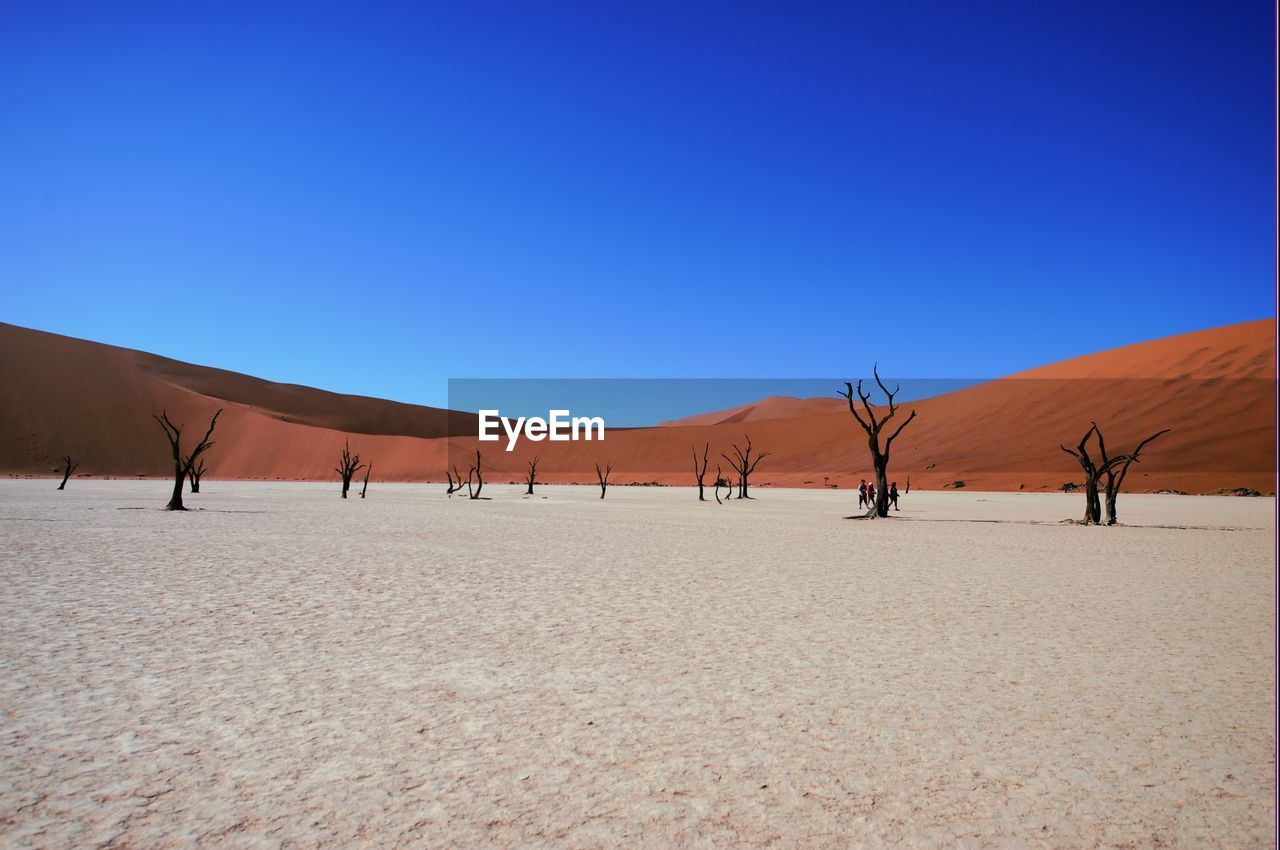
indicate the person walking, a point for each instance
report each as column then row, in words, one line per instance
column 871, row 495
column 862, row 494
column 893, row 494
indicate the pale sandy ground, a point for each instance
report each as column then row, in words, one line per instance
column 286, row 669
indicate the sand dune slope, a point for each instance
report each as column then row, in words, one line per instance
column 95, row 401
column 1215, row 389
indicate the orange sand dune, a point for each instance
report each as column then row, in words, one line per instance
column 1215, row 388
column 63, row 395
column 773, row 407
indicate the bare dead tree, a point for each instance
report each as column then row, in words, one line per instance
column 1115, row 475
column 182, row 465
column 908, row 492
column 873, row 425
column 67, row 468
column 742, row 464
column 367, row 470
column 531, row 478
column 194, row 476
column 721, row 482
column 1092, row 472
column 603, row 478
column 479, row 477
column 348, row 467
column 455, row 480
column 699, row 473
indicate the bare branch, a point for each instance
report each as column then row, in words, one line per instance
column 889, row 443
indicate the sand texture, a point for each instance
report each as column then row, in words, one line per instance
column 283, row 669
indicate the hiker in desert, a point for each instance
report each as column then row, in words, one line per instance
column 862, row 494
column 893, row 494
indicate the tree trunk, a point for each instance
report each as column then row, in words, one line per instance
column 179, row 479
column 532, row 477
column 475, row 494
column 1112, row 492
column 1092, row 504
column 881, row 464
column 66, row 472
column 700, row 471
column 346, row 485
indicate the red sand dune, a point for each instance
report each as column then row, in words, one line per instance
column 1215, row 388
column 773, row 407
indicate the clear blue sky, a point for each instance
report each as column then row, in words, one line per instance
column 374, row 198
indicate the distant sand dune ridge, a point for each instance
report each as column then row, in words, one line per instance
column 1216, row 389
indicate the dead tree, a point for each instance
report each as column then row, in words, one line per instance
column 455, row 480
column 721, row 481
column 194, row 476
column 873, row 425
column 699, row 473
column 744, row 466
column 182, row 464
column 347, row 467
column 367, row 470
column 1115, row 475
column 67, row 468
column 603, row 478
column 531, row 477
column 1092, row 472
column 479, row 477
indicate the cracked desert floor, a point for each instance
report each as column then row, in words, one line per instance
column 285, row 669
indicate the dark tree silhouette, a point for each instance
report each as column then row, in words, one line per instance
column 348, row 467
column 720, row 482
column 531, row 477
column 67, row 468
column 194, row 476
column 475, row 471
column 182, row 465
column 699, row 473
column 367, row 470
column 744, row 465
column 873, row 425
column 1115, row 475
column 1092, row 472
column 603, row 478
column 455, row 481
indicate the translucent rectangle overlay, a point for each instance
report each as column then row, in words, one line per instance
column 657, row 430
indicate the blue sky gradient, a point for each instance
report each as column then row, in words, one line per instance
column 373, row 198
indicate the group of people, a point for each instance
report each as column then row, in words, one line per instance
column 867, row 494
